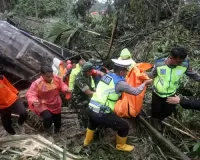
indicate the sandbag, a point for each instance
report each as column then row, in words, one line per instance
column 130, row 105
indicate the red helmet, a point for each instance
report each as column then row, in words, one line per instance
column 69, row 61
column 69, row 66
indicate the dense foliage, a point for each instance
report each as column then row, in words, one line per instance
column 149, row 28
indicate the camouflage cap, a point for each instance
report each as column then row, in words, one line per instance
column 87, row 66
column 99, row 62
column 96, row 62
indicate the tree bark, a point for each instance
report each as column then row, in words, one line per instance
column 179, row 10
column 3, row 5
column 115, row 23
column 158, row 11
column 36, row 8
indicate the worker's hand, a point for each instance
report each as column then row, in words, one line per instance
column 148, row 82
column 173, row 100
column 36, row 103
column 68, row 95
column 68, row 91
column 106, row 70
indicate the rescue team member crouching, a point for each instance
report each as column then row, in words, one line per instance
column 9, row 102
column 74, row 73
column 167, row 74
column 83, row 91
column 101, row 106
column 185, row 103
column 44, row 98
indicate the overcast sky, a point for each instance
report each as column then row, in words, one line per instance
column 102, row 1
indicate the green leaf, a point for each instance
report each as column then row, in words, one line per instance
column 196, row 146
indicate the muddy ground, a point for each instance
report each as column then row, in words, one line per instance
column 103, row 146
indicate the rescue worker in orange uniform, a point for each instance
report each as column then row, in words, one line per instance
column 9, row 101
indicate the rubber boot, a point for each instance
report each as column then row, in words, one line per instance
column 122, row 146
column 89, row 137
column 157, row 124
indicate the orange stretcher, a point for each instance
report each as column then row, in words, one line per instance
column 130, row 105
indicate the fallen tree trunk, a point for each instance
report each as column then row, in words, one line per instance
column 163, row 140
column 113, row 35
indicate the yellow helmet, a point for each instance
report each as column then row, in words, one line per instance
column 125, row 54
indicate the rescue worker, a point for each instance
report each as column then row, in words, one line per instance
column 68, row 62
column 74, row 73
column 44, row 98
column 69, row 70
column 83, row 90
column 167, row 73
column 62, row 69
column 185, row 103
column 74, row 62
column 130, row 106
column 101, row 106
column 9, row 102
column 136, row 67
column 69, row 67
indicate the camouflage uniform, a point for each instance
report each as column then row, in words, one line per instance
column 80, row 100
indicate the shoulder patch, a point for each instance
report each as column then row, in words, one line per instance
column 163, row 71
column 160, row 62
column 106, row 79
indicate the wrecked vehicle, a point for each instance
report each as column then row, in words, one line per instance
column 21, row 55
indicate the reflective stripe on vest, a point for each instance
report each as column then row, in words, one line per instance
column 167, row 80
column 105, row 96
